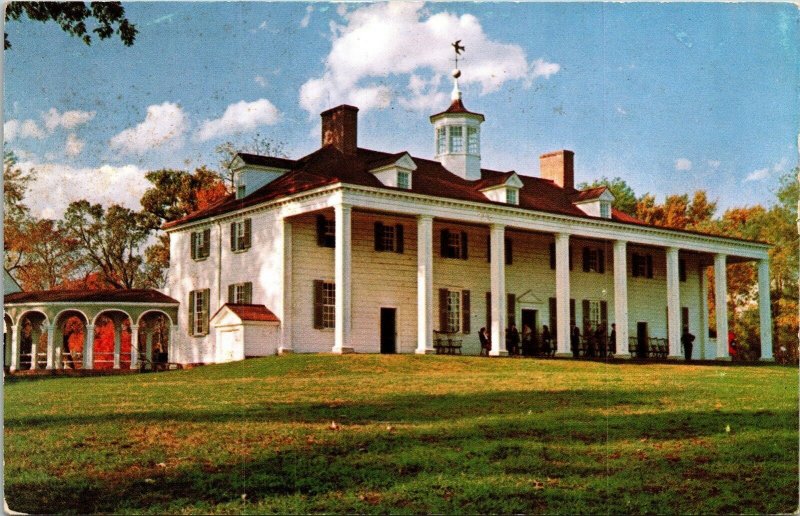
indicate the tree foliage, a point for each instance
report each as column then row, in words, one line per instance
column 624, row 198
column 74, row 17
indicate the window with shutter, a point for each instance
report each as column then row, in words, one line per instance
column 240, row 293
column 200, row 244
column 324, row 304
column 326, row 231
column 454, row 244
column 198, row 312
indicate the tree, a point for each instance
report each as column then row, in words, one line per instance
column 16, row 213
column 110, row 240
column 624, row 198
column 259, row 144
column 50, row 258
column 72, row 17
column 175, row 194
column 677, row 212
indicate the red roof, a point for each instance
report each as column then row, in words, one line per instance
column 251, row 312
column 266, row 161
column 589, row 193
column 457, row 107
column 90, row 296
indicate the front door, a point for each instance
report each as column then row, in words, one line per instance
column 641, row 338
column 388, row 330
column 529, row 319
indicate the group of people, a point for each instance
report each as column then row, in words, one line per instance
column 597, row 344
column 525, row 344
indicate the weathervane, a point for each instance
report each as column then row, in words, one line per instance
column 456, row 94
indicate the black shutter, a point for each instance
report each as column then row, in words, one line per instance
column 635, row 265
column 604, row 315
column 321, row 232
column 586, row 311
column 649, row 265
column 399, row 239
column 233, row 236
column 464, row 245
column 445, row 237
column 231, row 293
column 509, row 252
column 191, row 312
column 318, row 294
column 443, row 322
column 570, row 257
column 206, row 306
column 248, row 232
column 248, row 293
column 511, row 306
column 553, row 255
column 489, row 311
column 552, row 310
column 601, row 261
column 379, row 236
column 194, row 246
column 465, row 312
column 682, row 270
column 572, row 312
column 586, row 252
column 206, row 242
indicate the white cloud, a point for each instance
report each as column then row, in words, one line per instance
column 68, row 119
column 57, row 185
column 163, row 126
column 261, row 81
column 780, row 166
column 74, row 145
column 757, row 175
column 15, row 129
column 683, row 164
column 424, row 94
column 242, row 116
column 714, row 163
column 381, row 40
column 622, row 111
column 307, row 18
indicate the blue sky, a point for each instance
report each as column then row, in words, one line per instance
column 670, row 97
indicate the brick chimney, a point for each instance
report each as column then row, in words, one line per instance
column 340, row 128
column 559, row 166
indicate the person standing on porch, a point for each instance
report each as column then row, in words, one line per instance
column 546, row 341
column 687, row 339
column 527, row 340
column 486, row 344
column 612, row 341
column 512, row 340
column 575, row 341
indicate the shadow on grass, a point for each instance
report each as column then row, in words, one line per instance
column 529, row 433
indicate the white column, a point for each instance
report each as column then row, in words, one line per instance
column 342, row 264
column 424, row 285
column 148, row 339
column 621, row 297
column 764, row 309
column 497, row 242
column 15, row 329
column 51, row 351
column 117, row 340
column 562, row 294
column 35, row 336
column 721, row 302
column 674, row 329
column 134, row 346
column 702, row 334
column 88, row 347
column 286, row 305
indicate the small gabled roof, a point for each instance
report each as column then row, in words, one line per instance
column 265, row 161
column 90, row 296
column 493, row 180
column 590, row 194
column 249, row 313
column 398, row 159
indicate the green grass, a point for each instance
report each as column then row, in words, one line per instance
column 417, row 435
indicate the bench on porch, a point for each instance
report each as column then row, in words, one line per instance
column 446, row 343
column 659, row 348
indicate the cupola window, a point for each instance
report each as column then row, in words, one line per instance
column 456, row 139
column 441, row 141
column 472, row 141
column 511, row 196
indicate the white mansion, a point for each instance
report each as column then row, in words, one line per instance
column 356, row 250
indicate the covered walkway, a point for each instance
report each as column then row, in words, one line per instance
column 88, row 329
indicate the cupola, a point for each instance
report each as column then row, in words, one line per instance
column 457, row 136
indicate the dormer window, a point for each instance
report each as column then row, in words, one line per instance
column 512, row 196
column 595, row 202
column 404, row 179
column 456, row 139
column 473, row 146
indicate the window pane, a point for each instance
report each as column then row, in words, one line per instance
column 440, row 141
column 388, row 238
column 511, row 196
column 402, row 180
column 456, row 139
column 453, row 310
column 328, row 305
column 454, row 245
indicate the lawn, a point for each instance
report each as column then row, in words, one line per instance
column 414, row 434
